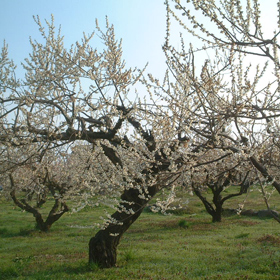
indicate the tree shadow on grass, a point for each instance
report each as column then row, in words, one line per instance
column 29, row 269
column 6, row 233
column 67, row 270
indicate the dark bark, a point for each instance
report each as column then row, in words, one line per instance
column 53, row 216
column 217, row 200
column 216, row 209
column 217, row 216
column 265, row 173
column 215, row 212
column 103, row 246
column 56, row 212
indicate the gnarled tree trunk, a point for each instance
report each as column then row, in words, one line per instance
column 53, row 216
column 216, row 209
column 216, row 213
column 103, row 246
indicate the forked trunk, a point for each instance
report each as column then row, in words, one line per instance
column 56, row 212
column 58, row 209
column 214, row 210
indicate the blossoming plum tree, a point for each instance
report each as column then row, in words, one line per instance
column 34, row 178
column 219, row 176
column 70, row 97
column 216, row 93
column 212, row 105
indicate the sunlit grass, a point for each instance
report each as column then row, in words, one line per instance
column 183, row 246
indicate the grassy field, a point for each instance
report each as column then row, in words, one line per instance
column 186, row 246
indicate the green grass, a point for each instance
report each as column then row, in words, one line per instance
column 182, row 246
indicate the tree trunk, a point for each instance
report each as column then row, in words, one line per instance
column 103, row 246
column 265, row 173
column 216, row 210
column 53, row 216
column 217, row 200
column 217, row 215
column 209, row 208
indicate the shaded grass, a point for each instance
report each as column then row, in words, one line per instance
column 184, row 246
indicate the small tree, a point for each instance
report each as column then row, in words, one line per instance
column 222, row 173
column 32, row 179
column 214, row 95
column 232, row 102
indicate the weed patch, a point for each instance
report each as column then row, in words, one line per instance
column 269, row 239
column 242, row 235
column 183, row 224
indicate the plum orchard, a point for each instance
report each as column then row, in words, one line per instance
column 36, row 176
column 221, row 117
column 222, row 93
column 47, row 118
column 227, row 103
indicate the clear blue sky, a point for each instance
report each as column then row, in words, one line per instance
column 141, row 24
